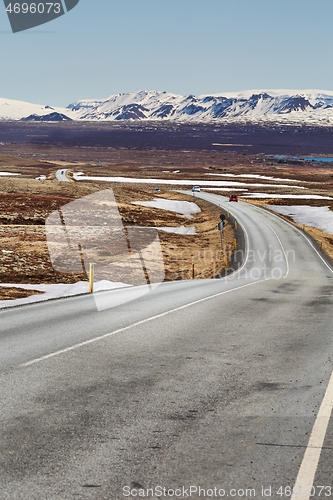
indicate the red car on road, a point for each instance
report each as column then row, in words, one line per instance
column 233, row 197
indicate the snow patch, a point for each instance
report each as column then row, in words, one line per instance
column 183, row 182
column 319, row 217
column 225, row 189
column 256, row 176
column 178, row 230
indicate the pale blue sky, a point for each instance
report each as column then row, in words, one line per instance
column 103, row 47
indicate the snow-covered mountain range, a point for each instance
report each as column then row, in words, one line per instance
column 313, row 107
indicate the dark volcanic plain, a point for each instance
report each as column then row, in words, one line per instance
column 247, row 138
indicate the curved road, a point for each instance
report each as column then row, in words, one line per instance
column 222, row 385
column 62, row 175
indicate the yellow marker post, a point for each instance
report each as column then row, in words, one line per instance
column 91, row 278
column 236, row 225
column 192, row 271
column 235, row 243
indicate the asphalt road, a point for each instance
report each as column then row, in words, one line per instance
column 219, row 384
column 61, row 175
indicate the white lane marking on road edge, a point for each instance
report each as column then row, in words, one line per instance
column 309, row 465
column 106, row 335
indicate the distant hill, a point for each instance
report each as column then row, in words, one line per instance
column 51, row 117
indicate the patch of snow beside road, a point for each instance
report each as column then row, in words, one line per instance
column 319, row 217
